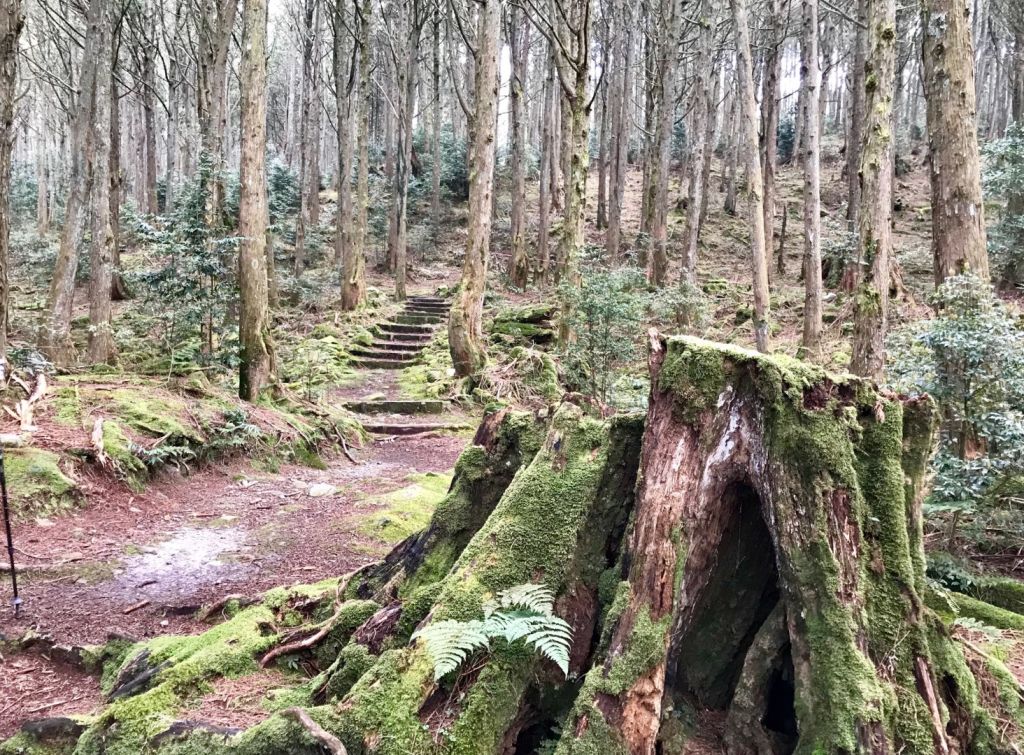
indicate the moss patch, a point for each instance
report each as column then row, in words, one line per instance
column 407, row 510
column 36, row 484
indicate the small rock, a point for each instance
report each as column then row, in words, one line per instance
column 321, row 490
column 43, row 521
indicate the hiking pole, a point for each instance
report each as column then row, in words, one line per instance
column 10, row 538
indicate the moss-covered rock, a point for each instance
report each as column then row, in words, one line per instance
column 36, row 483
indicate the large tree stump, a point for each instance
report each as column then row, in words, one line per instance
column 750, row 551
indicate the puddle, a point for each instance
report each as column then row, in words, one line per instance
column 192, row 558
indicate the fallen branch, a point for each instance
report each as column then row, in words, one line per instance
column 97, row 442
column 207, row 611
column 325, row 738
column 136, row 607
column 344, row 446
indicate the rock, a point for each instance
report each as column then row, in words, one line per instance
column 321, row 490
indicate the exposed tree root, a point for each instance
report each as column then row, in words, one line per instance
column 325, row 738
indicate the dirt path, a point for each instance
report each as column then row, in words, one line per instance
column 139, row 565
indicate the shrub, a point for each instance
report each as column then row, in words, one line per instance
column 606, row 312
column 785, row 134
column 1003, row 181
column 970, row 358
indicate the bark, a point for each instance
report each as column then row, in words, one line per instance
column 732, row 153
column 435, row 127
column 601, row 221
column 958, row 212
column 748, row 145
column 353, row 292
column 12, row 19
column 465, row 323
column 149, row 123
column 700, row 148
column 810, row 75
column 256, row 348
column 519, row 47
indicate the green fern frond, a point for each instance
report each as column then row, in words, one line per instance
column 449, row 643
column 522, row 613
column 537, row 598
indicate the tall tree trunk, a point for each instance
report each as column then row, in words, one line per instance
column 256, row 347
column 348, row 111
column 810, row 76
column 620, row 107
column 354, row 284
column 519, row 47
column 871, row 297
column 857, row 116
column 701, row 103
column 661, row 153
column 98, row 159
column 216, row 24
column 601, row 221
column 405, row 62
column 149, row 121
column 12, row 19
column 465, row 323
column 958, row 212
column 546, row 157
column 310, row 20
column 770, row 116
column 435, row 127
column 55, row 331
column 748, row 145
column 732, row 152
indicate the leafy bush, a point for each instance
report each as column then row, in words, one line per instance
column 970, row 358
column 189, row 289
column 606, row 313
column 1003, row 181
column 525, row 612
column 454, row 168
column 283, row 193
column 785, row 134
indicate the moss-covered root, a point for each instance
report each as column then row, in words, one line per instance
column 504, row 442
column 558, row 523
column 746, row 455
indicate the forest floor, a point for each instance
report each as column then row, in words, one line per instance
column 139, row 565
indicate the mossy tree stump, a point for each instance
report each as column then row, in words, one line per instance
column 753, row 547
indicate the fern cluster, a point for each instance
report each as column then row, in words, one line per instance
column 524, row 612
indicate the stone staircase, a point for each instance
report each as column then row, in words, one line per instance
column 396, row 345
column 399, row 341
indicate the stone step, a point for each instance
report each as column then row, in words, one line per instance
column 367, row 352
column 398, row 346
column 401, row 428
column 419, row 309
column 428, row 299
column 398, row 406
column 405, row 328
column 375, row 363
column 416, row 319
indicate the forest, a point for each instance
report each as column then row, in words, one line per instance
column 511, row 377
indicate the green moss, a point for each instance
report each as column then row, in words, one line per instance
column 67, row 406
column 352, row 662
column 127, row 465
column 36, row 484
column 407, row 510
column 26, row 744
column 986, row 613
column 157, row 415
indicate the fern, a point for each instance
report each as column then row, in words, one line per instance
column 524, row 612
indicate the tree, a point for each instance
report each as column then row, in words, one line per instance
column 701, row 105
column 519, row 47
column 871, row 296
column 465, row 322
column 256, row 347
column 958, row 211
column 98, row 161
column 11, row 20
column 749, row 148
column 810, row 75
